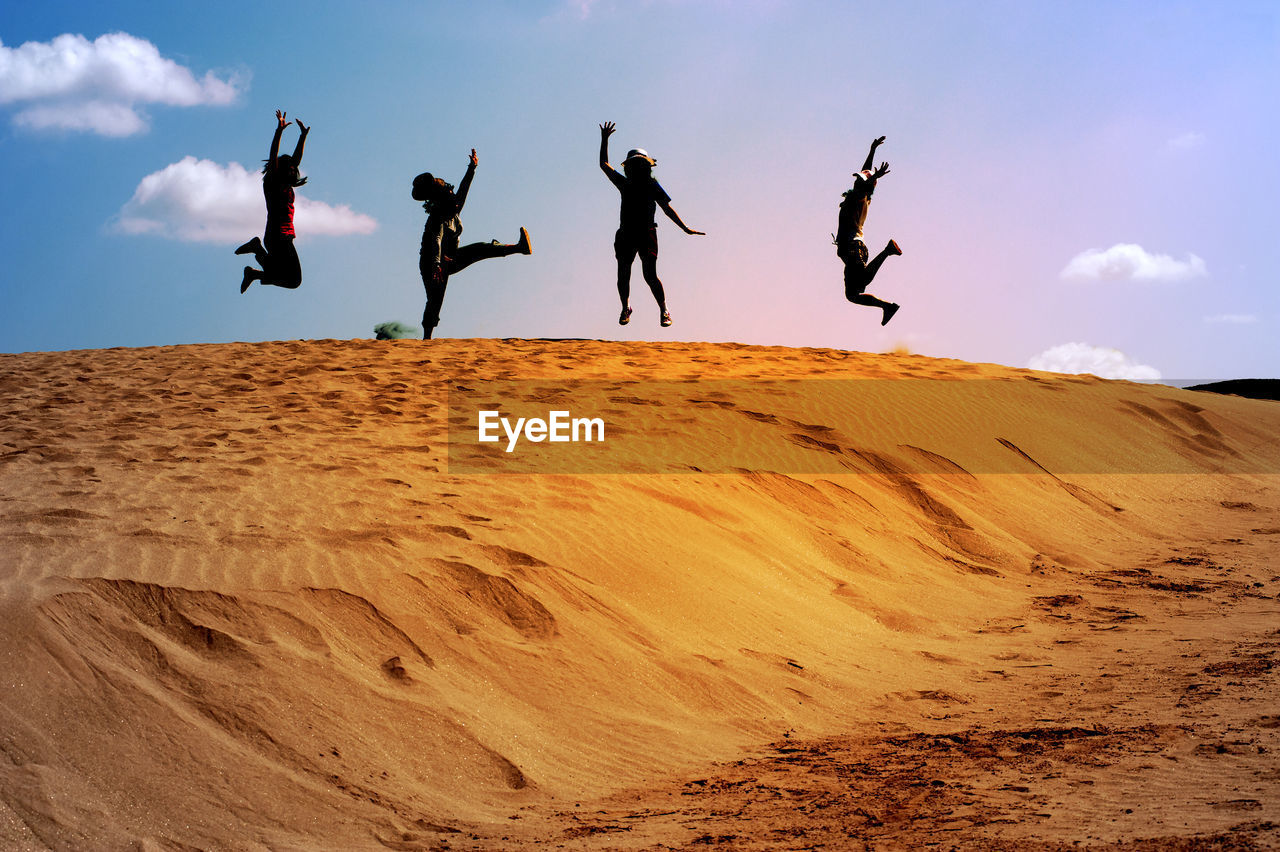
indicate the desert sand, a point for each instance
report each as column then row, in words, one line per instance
column 273, row 596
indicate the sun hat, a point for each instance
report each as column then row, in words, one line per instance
column 639, row 154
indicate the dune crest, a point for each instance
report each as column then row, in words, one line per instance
column 274, row 594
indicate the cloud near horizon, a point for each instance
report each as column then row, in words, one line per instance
column 1101, row 361
column 71, row 83
column 1130, row 262
column 203, row 201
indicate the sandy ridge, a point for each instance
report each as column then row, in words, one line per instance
column 248, row 605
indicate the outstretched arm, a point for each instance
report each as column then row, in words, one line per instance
column 465, row 185
column 675, row 217
column 871, row 155
column 606, row 130
column 281, row 124
column 302, row 141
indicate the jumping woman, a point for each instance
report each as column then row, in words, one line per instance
column 637, row 230
column 274, row 251
column 441, row 256
column 859, row 267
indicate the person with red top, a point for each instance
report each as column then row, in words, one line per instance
column 859, row 267
column 274, row 251
column 637, row 230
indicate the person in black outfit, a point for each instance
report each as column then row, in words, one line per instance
column 637, row 230
column 850, row 247
column 440, row 255
column 275, row 252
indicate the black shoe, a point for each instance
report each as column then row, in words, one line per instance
column 888, row 313
column 254, row 246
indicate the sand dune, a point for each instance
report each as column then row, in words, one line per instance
column 276, row 596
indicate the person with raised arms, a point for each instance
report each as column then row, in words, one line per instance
column 274, row 251
column 851, row 249
column 441, row 256
column 637, row 231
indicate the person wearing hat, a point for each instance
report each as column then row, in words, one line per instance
column 440, row 255
column 637, row 231
column 850, row 247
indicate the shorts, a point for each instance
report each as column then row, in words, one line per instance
column 853, row 251
column 627, row 244
column 855, row 256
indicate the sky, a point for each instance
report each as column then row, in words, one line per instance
column 1076, row 186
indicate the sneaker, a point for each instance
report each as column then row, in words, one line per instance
column 523, row 245
column 666, row 319
column 254, row 246
column 893, row 247
column 248, row 278
column 889, row 312
column 625, row 316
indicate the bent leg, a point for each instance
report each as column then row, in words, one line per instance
column 874, row 266
column 280, row 265
column 858, row 273
column 888, row 308
column 869, row 300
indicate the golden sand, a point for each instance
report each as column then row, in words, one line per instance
column 249, row 599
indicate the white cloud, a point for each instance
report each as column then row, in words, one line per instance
column 1130, row 262
column 1101, row 361
column 71, row 83
column 103, row 118
column 1232, row 319
column 316, row 217
column 203, row 201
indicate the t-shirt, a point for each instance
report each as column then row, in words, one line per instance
column 853, row 210
column 279, row 196
column 640, row 200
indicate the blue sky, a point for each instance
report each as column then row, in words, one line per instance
column 1076, row 185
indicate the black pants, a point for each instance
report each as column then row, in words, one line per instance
column 280, row 265
column 436, row 278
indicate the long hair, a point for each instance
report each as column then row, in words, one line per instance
column 284, row 160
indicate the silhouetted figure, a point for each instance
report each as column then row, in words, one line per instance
column 275, row 252
column 440, row 255
column 637, row 230
column 848, row 238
